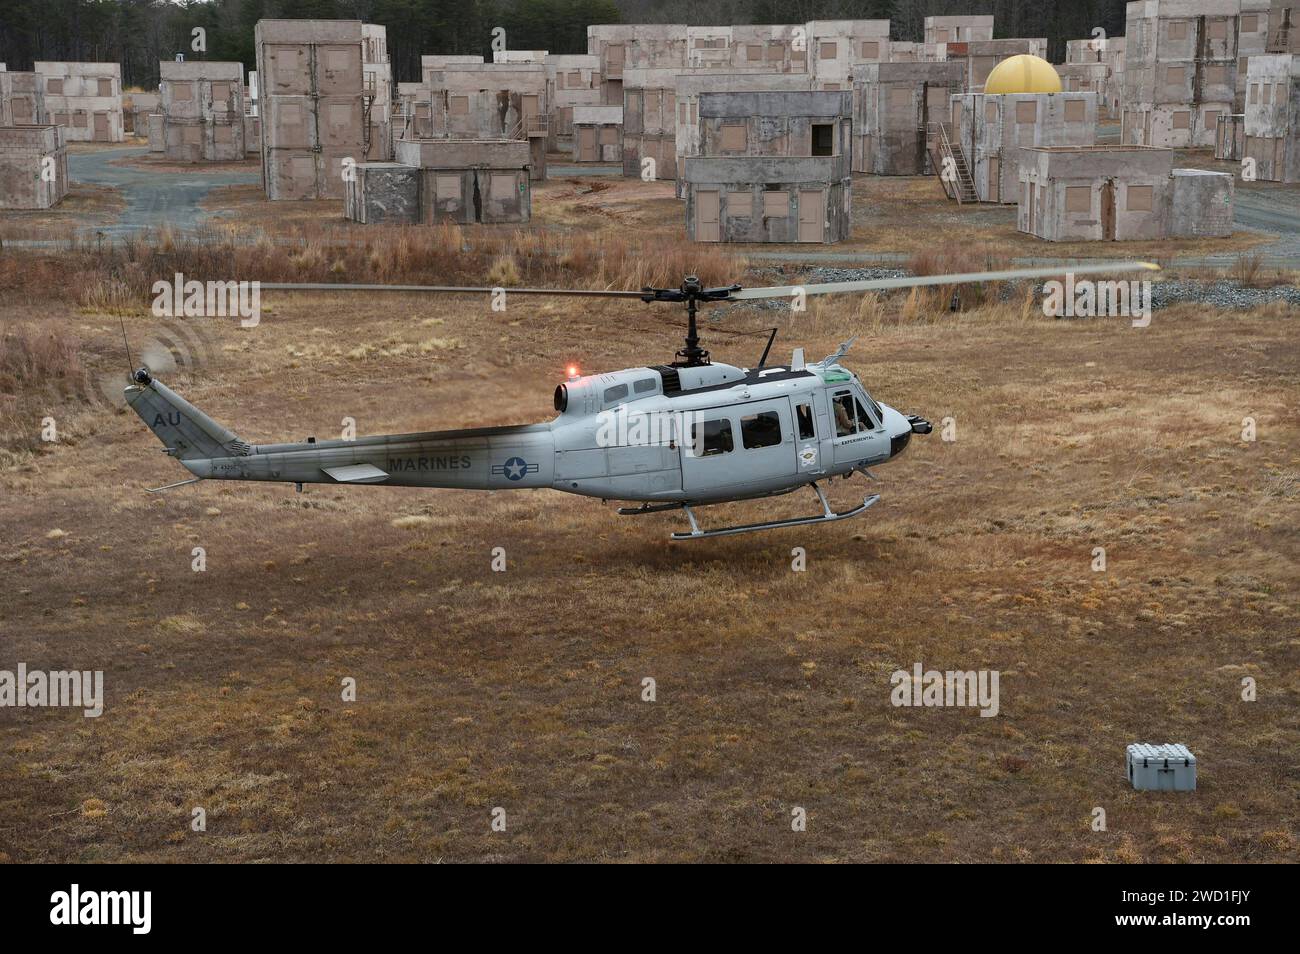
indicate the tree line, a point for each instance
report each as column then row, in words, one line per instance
column 139, row 33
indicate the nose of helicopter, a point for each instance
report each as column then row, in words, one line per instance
column 901, row 428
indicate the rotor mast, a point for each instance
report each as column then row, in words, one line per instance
column 692, row 292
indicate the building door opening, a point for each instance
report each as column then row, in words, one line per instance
column 823, row 139
column 1108, row 210
column 812, row 215
column 708, row 225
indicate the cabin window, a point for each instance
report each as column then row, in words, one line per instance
column 803, row 413
column 644, row 385
column 845, row 419
column 615, row 394
column 760, row 430
column 717, row 438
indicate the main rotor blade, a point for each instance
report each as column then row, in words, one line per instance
column 446, row 289
column 881, row 284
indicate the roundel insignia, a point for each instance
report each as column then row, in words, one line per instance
column 514, row 469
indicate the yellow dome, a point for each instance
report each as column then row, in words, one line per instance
column 1023, row 74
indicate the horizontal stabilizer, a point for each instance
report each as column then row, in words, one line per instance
column 356, row 474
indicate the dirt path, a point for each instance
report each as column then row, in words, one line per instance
column 154, row 199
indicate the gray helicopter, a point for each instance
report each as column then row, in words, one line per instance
column 669, row 437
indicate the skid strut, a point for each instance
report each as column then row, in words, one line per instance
column 695, row 533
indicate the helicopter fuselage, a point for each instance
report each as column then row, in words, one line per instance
column 693, row 434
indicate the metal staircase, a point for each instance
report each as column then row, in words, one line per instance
column 962, row 187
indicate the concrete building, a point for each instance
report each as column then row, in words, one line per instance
column 314, row 106
column 979, row 57
column 773, row 167
column 597, row 134
column 571, row 80
column 483, row 181
column 203, row 110
column 1091, row 78
column 1109, row 51
column 1272, row 124
column 136, row 108
column 989, row 131
column 1202, row 204
column 691, row 84
column 1230, row 139
column 492, row 101
column 383, row 193
column 157, row 143
column 33, row 167
column 960, row 29
column 774, row 49
column 621, row 47
column 22, row 99
column 1252, row 40
column 84, row 97
column 377, row 84
column 444, row 180
column 1119, row 193
column 1180, row 67
column 836, row 46
column 894, row 105
column 649, row 122
column 1283, row 27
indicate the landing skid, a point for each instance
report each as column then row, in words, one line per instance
column 826, row 516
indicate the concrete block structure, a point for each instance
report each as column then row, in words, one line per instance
column 157, row 143
column 383, row 193
column 84, row 97
column 978, row 57
column 1272, row 124
column 1109, row 51
column 1202, row 203
column 622, row 47
column 315, row 106
column 492, row 101
column 894, row 105
column 1095, row 193
column 1283, row 27
column 691, row 84
column 252, row 135
column 958, row 29
column 136, row 109
column 22, row 99
column 377, row 83
column 1252, row 40
column 1119, row 193
column 33, row 167
column 1091, row 78
column 836, row 46
column 649, row 121
column 203, row 110
column 991, row 130
column 470, row 181
column 773, row 167
column 597, row 134
column 773, row 49
column 1180, row 66
column 572, row 80
column 1230, row 139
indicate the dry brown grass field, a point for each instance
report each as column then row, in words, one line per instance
column 522, row 689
